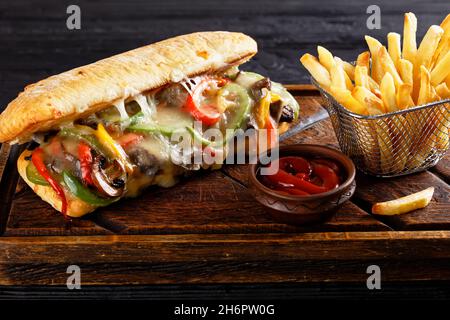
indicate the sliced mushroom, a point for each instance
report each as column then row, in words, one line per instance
column 258, row 86
column 110, row 186
column 287, row 114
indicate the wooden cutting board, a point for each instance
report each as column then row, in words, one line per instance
column 209, row 229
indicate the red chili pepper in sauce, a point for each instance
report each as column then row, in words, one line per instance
column 299, row 176
column 284, row 177
column 327, row 174
column 328, row 163
column 295, row 164
column 37, row 160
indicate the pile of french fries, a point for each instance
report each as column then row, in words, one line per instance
column 386, row 80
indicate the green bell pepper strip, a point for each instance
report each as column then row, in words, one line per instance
column 239, row 113
column 134, row 119
column 149, row 128
column 242, row 108
column 83, row 193
column 34, row 176
column 197, row 136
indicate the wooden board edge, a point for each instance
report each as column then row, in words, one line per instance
column 218, row 247
column 203, row 259
column 304, row 89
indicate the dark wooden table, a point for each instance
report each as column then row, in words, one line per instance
column 35, row 43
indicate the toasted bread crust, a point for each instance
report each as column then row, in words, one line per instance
column 81, row 91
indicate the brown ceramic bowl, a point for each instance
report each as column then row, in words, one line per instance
column 305, row 209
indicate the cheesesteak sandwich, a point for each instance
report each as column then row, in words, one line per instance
column 104, row 131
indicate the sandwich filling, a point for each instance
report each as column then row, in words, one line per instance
column 119, row 151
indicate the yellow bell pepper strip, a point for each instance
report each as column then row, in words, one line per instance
column 274, row 97
column 263, row 110
column 114, row 148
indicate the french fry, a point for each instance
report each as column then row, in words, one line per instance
column 391, row 142
column 374, row 87
column 319, row 72
column 409, row 37
column 428, row 46
column 401, row 134
column 404, row 100
column 388, row 66
column 445, row 24
column 406, row 71
column 424, row 140
column 362, row 77
column 441, row 70
column 368, row 130
column 348, row 81
column 425, row 93
column 388, row 96
column 405, row 204
column 325, row 57
column 444, row 44
column 425, row 54
column 363, row 60
column 385, row 146
column 349, row 69
column 441, row 51
column 374, row 47
column 443, row 91
column 394, row 48
column 387, row 89
column 344, row 97
column 338, row 76
column 373, row 104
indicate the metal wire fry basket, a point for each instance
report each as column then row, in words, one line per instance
column 391, row 144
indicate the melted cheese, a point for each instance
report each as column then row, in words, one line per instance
column 147, row 109
column 120, row 106
column 173, row 117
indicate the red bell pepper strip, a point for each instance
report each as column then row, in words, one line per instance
column 327, row 174
column 37, row 160
column 272, row 136
column 284, row 177
column 129, row 139
column 206, row 113
column 85, row 157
